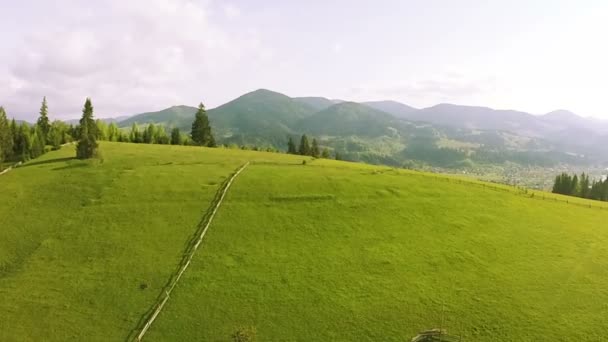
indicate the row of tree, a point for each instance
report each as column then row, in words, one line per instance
column 581, row 186
column 21, row 142
column 307, row 149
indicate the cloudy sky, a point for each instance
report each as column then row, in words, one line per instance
column 143, row 55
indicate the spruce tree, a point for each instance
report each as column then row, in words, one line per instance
column 201, row 129
column 315, row 151
column 87, row 145
column 37, row 148
column 6, row 137
column 176, row 136
column 43, row 120
column 291, row 147
column 304, row 146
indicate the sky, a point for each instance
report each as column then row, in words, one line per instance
column 146, row 55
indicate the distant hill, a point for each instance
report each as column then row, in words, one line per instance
column 380, row 131
column 259, row 116
column 394, row 108
column 173, row 116
column 349, row 118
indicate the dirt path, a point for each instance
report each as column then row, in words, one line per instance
column 205, row 223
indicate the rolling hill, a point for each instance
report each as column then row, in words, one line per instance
column 378, row 132
column 328, row 250
column 172, row 116
column 349, row 118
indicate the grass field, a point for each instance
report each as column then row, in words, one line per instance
column 323, row 251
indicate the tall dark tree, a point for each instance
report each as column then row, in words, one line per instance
column 176, row 136
column 584, row 186
column 87, row 145
column 201, row 129
column 22, row 143
column 6, row 137
column 37, row 148
column 291, row 147
column 304, row 146
column 43, row 122
column 315, row 151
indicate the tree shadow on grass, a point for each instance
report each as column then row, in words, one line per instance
column 48, row 161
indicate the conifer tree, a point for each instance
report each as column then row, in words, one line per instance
column 43, row 122
column 201, row 129
column 23, row 143
column 37, row 148
column 87, row 145
column 315, row 151
column 304, row 146
column 6, row 137
column 291, row 147
column 176, row 136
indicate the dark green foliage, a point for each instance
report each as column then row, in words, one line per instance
column 201, row 129
column 573, row 186
column 304, row 146
column 43, row 122
column 6, row 137
column 87, row 145
column 176, row 136
column 291, row 147
column 37, row 148
column 22, row 143
column 315, row 151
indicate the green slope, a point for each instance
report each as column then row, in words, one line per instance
column 170, row 117
column 262, row 115
column 349, row 118
column 323, row 251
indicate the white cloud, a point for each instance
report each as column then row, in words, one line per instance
column 125, row 55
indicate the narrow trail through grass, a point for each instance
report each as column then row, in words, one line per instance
column 191, row 248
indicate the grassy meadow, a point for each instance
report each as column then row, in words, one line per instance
column 317, row 252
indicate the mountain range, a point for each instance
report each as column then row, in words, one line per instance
column 381, row 131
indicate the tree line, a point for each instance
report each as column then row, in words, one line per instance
column 22, row 142
column 581, row 186
column 308, row 149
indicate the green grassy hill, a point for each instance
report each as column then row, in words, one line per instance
column 350, row 118
column 324, row 251
column 171, row 117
